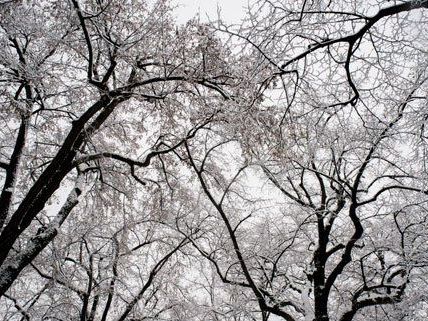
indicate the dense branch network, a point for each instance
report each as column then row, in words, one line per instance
column 272, row 170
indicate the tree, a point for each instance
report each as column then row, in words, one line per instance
column 270, row 171
column 339, row 137
column 78, row 79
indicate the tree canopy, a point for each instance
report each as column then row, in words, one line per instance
column 270, row 170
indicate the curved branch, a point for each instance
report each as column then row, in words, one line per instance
column 88, row 45
column 231, row 233
column 385, row 12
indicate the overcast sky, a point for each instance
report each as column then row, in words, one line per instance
column 231, row 10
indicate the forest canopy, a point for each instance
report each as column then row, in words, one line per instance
column 272, row 169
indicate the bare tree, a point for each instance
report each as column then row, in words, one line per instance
column 272, row 171
column 80, row 82
column 339, row 136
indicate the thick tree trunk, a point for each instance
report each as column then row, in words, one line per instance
column 51, row 178
column 13, row 266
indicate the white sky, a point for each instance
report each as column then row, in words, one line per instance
column 231, row 10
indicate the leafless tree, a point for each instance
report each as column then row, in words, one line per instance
column 339, row 136
column 80, row 83
column 274, row 170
